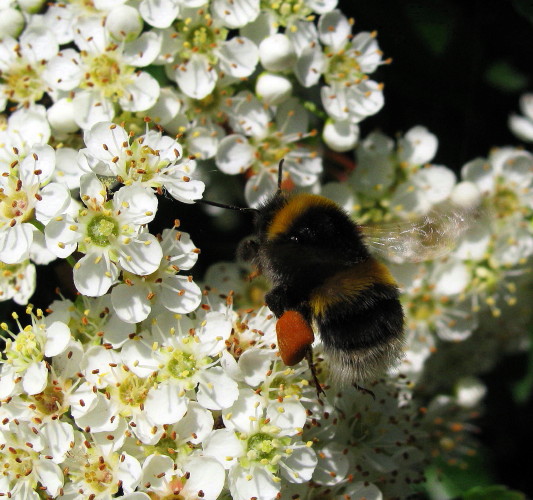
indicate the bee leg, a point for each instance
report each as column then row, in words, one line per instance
column 309, row 357
column 276, row 300
column 364, row 390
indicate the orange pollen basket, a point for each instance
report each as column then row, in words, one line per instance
column 295, row 336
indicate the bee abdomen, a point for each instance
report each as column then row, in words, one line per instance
column 360, row 320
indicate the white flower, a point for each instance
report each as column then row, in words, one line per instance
column 24, row 368
column 196, row 477
column 91, row 320
column 260, row 444
column 107, row 232
column 434, row 299
column 11, row 21
column 25, row 193
column 25, row 463
column 522, row 126
column 125, row 398
column 424, row 189
column 17, row 282
column 187, row 359
column 261, row 140
column 152, row 160
column 504, row 180
column 22, row 63
column 97, row 473
column 26, row 127
column 289, row 13
column 202, row 51
column 104, row 73
column 348, row 95
column 134, row 299
column 395, row 181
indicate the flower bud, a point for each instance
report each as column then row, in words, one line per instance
column 11, row 22
column 466, row 194
column 340, row 136
column 61, row 117
column 31, row 6
column 273, row 89
column 276, row 53
column 124, row 23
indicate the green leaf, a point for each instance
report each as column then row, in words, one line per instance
column 433, row 22
column 506, row 77
column 493, row 492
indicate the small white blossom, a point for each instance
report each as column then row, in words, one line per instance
column 134, row 299
column 202, row 50
column 104, row 73
column 98, row 474
column 261, row 140
column 25, row 464
column 260, row 444
column 17, row 282
column 107, row 232
column 22, row 65
column 24, row 368
column 152, row 160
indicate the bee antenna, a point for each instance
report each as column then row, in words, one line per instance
column 280, row 173
column 230, row 207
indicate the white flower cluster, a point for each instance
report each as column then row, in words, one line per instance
column 146, row 385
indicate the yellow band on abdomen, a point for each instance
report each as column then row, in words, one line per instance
column 349, row 284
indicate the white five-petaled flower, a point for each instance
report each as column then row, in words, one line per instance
column 134, row 299
column 25, row 196
column 203, row 53
column 345, row 61
column 98, row 472
column 22, row 65
column 26, row 127
column 261, row 444
column 152, row 161
column 262, row 138
column 24, row 369
column 104, row 73
column 108, row 233
column 185, row 354
column 187, row 480
column 17, row 282
column 26, row 467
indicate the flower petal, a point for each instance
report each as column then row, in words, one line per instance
column 94, row 275
column 131, row 302
column 142, row 255
column 57, row 338
column 196, row 77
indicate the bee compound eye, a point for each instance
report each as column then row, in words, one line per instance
column 295, row 239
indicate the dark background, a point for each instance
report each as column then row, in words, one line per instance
column 458, row 68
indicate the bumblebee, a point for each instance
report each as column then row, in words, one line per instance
column 326, row 280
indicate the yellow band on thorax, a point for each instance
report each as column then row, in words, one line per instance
column 296, row 206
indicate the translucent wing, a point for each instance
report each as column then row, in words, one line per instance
column 425, row 238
